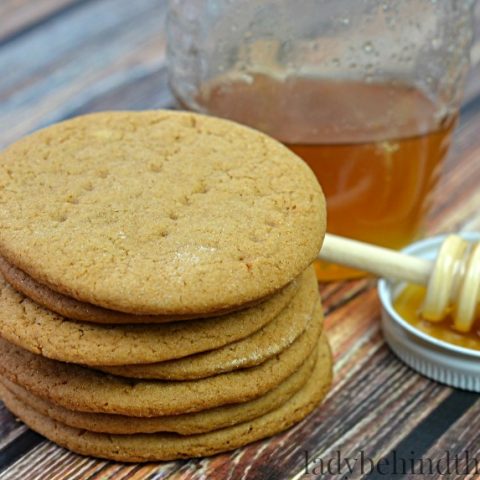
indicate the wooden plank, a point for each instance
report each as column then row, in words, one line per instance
column 462, row 442
column 463, row 437
column 57, row 80
column 7, row 424
column 17, row 15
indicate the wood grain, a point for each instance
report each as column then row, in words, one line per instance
column 50, row 80
column 463, row 436
column 112, row 56
column 16, row 16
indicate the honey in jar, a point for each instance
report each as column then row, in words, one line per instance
column 408, row 304
column 376, row 148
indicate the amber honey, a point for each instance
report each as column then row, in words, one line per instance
column 408, row 305
column 376, row 148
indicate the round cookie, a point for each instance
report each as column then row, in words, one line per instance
column 150, row 212
column 270, row 340
column 160, row 447
column 83, row 389
column 86, row 312
column 186, row 424
column 40, row 331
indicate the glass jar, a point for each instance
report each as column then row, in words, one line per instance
column 367, row 92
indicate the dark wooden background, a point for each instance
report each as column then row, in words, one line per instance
column 60, row 58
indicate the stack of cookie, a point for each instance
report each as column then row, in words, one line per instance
column 157, row 296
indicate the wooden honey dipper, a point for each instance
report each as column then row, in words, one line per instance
column 452, row 280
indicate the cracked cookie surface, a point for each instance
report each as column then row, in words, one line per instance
column 159, row 212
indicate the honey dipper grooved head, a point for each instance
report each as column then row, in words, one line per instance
column 454, row 285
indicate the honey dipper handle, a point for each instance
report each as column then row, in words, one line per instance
column 380, row 261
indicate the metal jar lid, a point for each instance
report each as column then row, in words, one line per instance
column 439, row 360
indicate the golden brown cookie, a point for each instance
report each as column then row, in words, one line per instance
column 159, row 212
column 158, row 446
column 86, row 312
column 83, row 389
column 253, row 350
column 186, row 424
column 40, row 331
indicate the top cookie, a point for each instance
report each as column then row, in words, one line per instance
column 158, row 212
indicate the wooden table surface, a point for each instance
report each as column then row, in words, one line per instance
column 60, row 58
